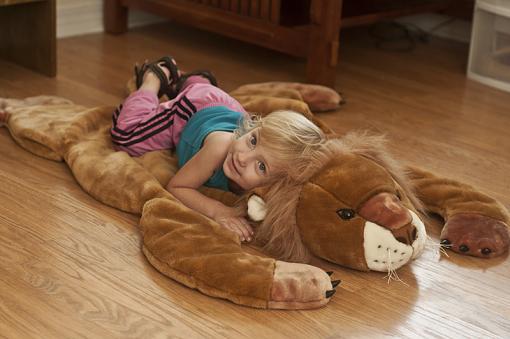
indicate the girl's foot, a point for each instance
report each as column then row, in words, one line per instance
column 165, row 70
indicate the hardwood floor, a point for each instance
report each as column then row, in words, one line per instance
column 72, row 267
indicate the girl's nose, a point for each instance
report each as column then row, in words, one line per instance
column 241, row 158
column 244, row 158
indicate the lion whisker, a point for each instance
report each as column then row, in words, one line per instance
column 392, row 273
column 443, row 250
column 438, row 248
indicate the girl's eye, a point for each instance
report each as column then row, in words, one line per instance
column 253, row 140
column 262, row 167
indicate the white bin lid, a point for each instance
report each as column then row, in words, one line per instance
column 499, row 7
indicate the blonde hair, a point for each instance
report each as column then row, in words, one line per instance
column 289, row 136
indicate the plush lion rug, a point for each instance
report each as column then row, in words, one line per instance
column 354, row 205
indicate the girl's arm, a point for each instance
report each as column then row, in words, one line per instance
column 184, row 185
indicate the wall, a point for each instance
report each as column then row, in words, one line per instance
column 75, row 17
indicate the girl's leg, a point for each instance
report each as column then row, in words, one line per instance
column 151, row 82
column 195, row 79
column 138, row 107
column 150, row 126
column 141, row 124
column 201, row 89
column 141, row 103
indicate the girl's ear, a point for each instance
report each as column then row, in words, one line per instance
column 257, row 209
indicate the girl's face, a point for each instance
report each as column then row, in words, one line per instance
column 248, row 163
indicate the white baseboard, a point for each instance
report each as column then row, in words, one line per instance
column 76, row 17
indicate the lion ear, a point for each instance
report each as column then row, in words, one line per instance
column 257, row 209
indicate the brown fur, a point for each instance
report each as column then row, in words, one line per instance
column 279, row 232
column 193, row 249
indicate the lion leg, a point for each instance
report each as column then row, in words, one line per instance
column 318, row 98
column 263, row 105
column 476, row 235
column 476, row 224
column 262, row 99
column 300, row 286
column 197, row 252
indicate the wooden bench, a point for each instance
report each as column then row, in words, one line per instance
column 303, row 28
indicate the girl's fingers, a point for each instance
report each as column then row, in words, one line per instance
column 231, row 225
column 243, row 233
column 241, row 230
column 240, row 226
column 245, row 229
column 247, row 226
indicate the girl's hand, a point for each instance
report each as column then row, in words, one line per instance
column 238, row 225
column 229, row 218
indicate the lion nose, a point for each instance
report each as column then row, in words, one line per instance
column 386, row 210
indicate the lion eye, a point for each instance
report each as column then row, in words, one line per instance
column 346, row 213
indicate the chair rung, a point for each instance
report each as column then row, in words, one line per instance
column 267, row 10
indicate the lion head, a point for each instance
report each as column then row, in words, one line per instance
column 353, row 206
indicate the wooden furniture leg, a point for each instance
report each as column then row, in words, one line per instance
column 115, row 17
column 322, row 59
column 28, row 34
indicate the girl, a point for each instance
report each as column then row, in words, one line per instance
column 218, row 144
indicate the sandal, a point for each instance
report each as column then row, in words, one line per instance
column 167, row 86
column 204, row 73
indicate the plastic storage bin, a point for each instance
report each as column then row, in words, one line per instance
column 489, row 55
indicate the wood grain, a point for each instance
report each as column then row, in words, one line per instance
column 72, row 267
column 115, row 17
column 28, row 34
column 255, row 8
column 275, row 11
column 323, row 47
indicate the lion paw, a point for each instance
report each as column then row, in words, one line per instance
column 300, row 286
column 475, row 235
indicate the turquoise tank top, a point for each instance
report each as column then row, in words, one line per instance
column 203, row 122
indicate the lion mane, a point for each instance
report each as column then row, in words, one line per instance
column 279, row 233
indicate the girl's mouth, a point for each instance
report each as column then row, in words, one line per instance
column 233, row 163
